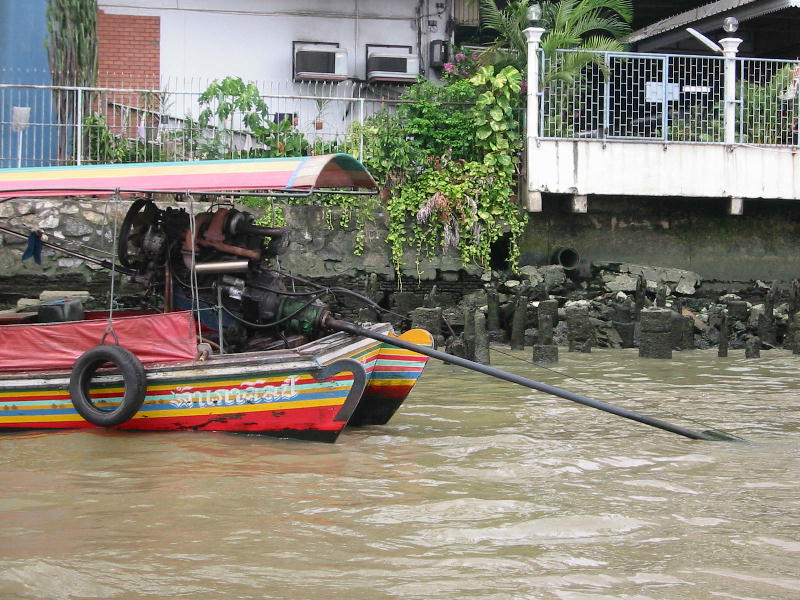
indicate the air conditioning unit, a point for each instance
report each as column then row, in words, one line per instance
column 319, row 63
column 394, row 68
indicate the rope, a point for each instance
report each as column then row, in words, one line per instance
column 110, row 327
column 194, row 285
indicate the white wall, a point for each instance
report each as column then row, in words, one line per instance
column 252, row 39
column 674, row 169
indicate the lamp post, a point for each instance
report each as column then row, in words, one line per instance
column 533, row 36
column 728, row 47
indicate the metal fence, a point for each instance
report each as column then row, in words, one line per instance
column 667, row 98
column 615, row 96
column 43, row 125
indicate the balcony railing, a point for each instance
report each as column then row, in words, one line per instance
column 667, row 98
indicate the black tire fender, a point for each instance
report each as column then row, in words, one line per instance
column 133, row 378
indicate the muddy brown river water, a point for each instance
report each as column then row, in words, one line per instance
column 477, row 489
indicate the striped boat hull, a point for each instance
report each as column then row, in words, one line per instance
column 282, row 393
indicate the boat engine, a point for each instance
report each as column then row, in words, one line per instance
column 221, row 259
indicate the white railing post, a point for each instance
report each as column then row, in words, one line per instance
column 533, row 35
column 79, row 126
column 361, row 129
column 730, row 46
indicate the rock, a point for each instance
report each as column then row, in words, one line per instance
column 25, row 303
column 618, row 282
column 738, row 310
column 52, row 295
column 554, row 276
column 545, row 354
column 427, row 318
column 697, row 321
column 73, row 227
column 682, row 281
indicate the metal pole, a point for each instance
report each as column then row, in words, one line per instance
column 361, row 129
column 730, row 46
column 79, row 127
column 533, row 35
column 529, row 383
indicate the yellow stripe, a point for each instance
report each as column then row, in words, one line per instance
column 394, row 382
column 152, row 389
column 150, row 170
column 226, row 410
column 71, row 418
column 111, row 402
column 178, row 412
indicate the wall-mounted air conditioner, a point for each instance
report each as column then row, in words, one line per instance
column 394, row 68
column 319, row 63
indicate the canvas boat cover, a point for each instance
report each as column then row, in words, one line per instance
column 152, row 338
column 329, row 171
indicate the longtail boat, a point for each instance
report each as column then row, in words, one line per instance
column 269, row 359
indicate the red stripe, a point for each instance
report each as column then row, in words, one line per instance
column 301, row 419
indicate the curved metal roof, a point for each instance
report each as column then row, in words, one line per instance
column 305, row 173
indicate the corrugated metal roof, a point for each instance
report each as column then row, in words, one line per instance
column 741, row 9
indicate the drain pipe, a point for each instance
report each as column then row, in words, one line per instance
column 565, row 257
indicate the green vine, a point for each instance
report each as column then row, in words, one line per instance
column 449, row 169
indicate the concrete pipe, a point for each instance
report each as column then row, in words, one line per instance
column 566, row 257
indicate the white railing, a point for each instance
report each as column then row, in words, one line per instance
column 669, row 98
column 125, row 121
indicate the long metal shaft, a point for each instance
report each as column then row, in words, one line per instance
column 97, row 261
column 529, row 383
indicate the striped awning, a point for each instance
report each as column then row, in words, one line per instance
column 330, row 171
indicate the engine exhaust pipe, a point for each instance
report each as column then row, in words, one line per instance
column 223, row 266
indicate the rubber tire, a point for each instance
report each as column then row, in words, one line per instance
column 132, row 374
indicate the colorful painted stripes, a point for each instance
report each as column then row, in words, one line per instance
column 306, row 172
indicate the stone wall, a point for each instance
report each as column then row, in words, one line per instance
column 615, row 236
column 84, row 226
column 693, row 234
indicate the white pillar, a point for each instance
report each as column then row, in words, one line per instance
column 533, row 35
column 730, row 46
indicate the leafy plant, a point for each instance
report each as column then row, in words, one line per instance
column 449, row 169
column 103, row 146
column 231, row 102
column 586, row 26
column 769, row 110
column 697, row 124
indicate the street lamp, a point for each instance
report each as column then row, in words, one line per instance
column 728, row 47
column 534, row 14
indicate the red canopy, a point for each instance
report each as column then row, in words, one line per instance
column 152, row 338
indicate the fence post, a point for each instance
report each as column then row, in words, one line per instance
column 730, row 46
column 79, row 127
column 606, row 97
column 361, row 129
column 533, row 36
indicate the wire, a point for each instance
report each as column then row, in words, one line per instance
column 244, row 321
column 345, row 291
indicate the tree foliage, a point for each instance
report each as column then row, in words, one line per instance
column 72, row 53
column 586, row 26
